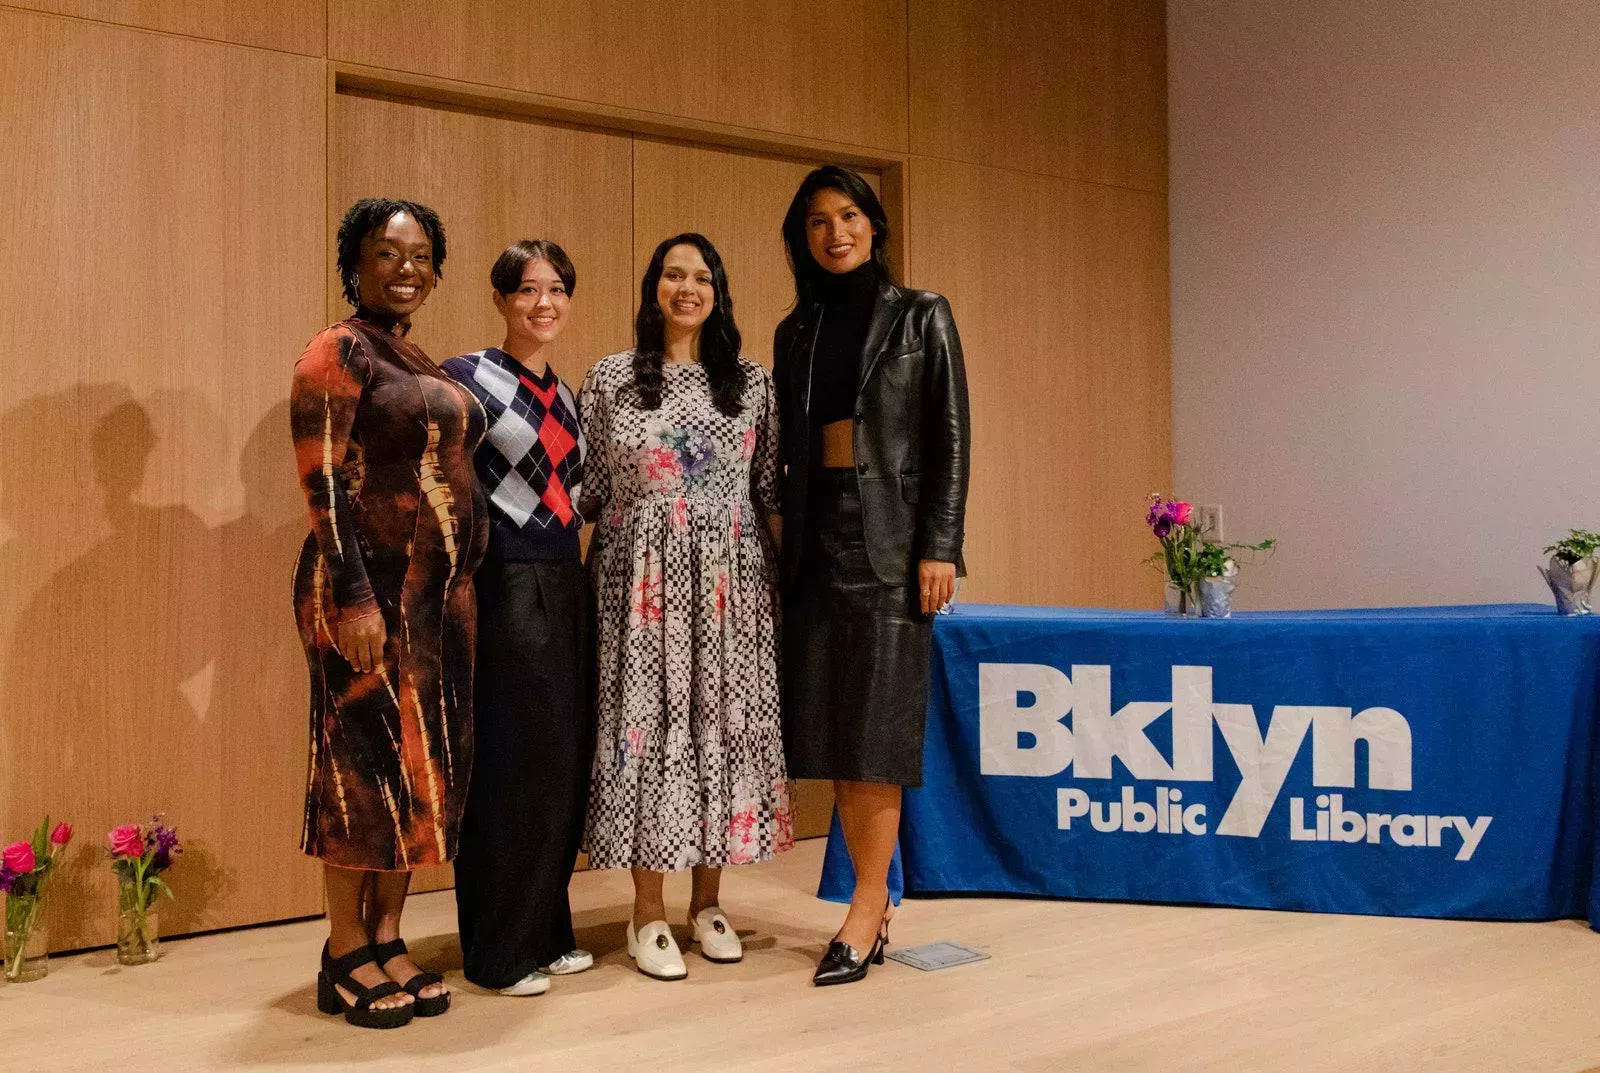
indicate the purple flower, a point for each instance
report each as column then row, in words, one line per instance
column 1163, row 526
column 164, row 840
column 7, row 879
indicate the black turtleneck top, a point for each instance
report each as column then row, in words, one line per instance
column 847, row 301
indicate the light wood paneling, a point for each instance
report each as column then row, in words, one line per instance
column 286, row 25
column 1075, row 88
column 165, row 225
column 166, row 217
column 830, row 70
column 1060, row 293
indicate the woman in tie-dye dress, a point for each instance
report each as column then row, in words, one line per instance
column 688, row 768
column 384, row 599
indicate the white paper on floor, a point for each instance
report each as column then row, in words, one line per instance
column 931, row 956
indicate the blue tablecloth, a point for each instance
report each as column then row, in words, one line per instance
column 1415, row 762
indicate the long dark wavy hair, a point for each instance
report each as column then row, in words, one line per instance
column 806, row 271
column 719, row 335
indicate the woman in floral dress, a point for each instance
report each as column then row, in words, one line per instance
column 688, row 769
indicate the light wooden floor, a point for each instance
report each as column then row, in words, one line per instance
column 1071, row 986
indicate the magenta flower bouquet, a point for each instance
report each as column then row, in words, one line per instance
column 1173, row 523
column 139, row 854
column 25, row 870
column 1192, row 563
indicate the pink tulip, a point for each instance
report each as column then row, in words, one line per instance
column 126, row 841
column 61, row 835
column 1181, row 513
column 19, row 858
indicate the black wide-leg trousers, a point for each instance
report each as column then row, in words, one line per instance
column 534, row 736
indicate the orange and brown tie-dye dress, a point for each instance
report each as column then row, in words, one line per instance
column 384, row 442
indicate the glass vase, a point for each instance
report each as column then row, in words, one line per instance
column 1183, row 600
column 138, row 928
column 27, row 939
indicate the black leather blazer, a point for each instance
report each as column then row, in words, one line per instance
column 912, row 432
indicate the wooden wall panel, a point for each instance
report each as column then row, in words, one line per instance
column 737, row 200
column 166, row 215
column 285, row 25
column 1060, row 293
column 1075, row 88
column 165, row 227
column 831, row 70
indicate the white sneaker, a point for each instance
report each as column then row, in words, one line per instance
column 718, row 941
column 656, row 951
column 535, row 983
column 570, row 962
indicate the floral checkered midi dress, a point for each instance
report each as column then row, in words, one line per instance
column 688, row 766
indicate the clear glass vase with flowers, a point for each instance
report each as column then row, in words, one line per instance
column 25, row 871
column 1201, row 574
column 139, row 854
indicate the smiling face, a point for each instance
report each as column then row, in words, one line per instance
column 838, row 233
column 685, row 293
column 396, row 272
column 537, row 310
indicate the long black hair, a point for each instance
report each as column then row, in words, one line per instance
column 365, row 217
column 806, row 271
column 719, row 335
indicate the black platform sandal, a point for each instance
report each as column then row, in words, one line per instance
column 426, row 1007
column 336, row 974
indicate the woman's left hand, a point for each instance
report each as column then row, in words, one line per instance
column 937, row 580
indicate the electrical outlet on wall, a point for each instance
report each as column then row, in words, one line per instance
column 1211, row 521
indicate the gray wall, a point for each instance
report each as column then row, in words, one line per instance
column 1386, row 288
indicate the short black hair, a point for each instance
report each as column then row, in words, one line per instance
column 506, row 275
column 371, row 213
column 805, row 268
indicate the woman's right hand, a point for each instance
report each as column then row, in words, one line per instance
column 361, row 640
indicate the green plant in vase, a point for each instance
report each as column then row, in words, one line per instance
column 139, row 854
column 25, row 870
column 1571, row 571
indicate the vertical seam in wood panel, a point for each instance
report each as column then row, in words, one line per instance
column 329, row 105
column 907, row 57
column 633, row 213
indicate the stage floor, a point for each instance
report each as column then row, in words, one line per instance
column 1071, row 986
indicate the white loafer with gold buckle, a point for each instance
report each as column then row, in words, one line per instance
column 656, row 952
column 718, row 941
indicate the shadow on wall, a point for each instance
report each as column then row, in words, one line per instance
column 151, row 662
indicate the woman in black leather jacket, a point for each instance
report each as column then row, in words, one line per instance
column 873, row 398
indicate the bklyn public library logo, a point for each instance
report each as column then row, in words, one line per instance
column 1021, row 707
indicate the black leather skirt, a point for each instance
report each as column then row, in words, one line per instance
column 855, row 650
